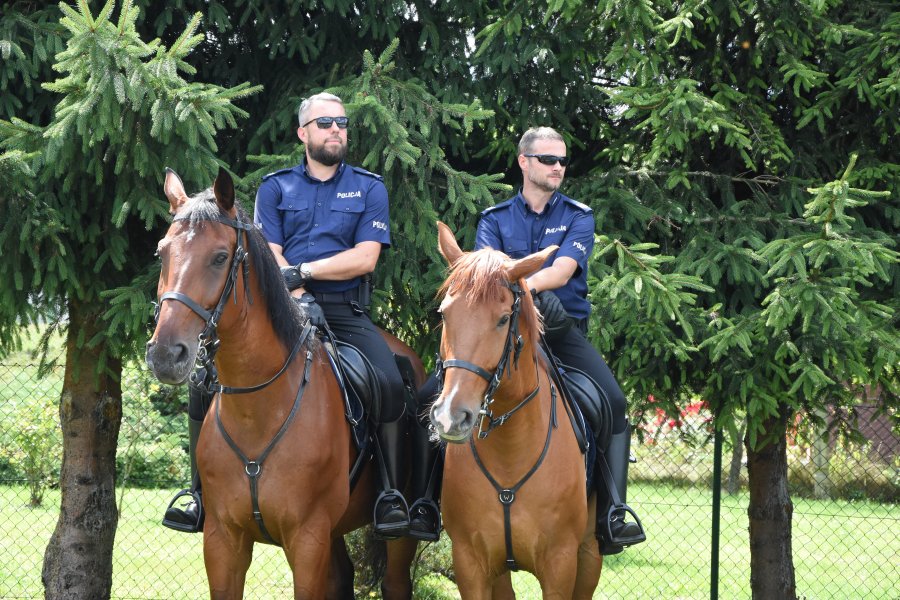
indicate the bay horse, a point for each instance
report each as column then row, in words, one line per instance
column 275, row 449
column 517, row 498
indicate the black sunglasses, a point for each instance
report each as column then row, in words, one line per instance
column 325, row 122
column 550, row 159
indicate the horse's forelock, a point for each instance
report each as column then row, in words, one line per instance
column 479, row 277
column 199, row 207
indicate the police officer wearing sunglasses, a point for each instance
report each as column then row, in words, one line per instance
column 327, row 223
column 537, row 217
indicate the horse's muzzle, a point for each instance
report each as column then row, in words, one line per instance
column 454, row 426
column 170, row 363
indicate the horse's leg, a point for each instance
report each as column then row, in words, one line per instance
column 397, row 582
column 471, row 574
column 340, row 581
column 558, row 571
column 227, row 559
column 502, row 588
column 308, row 552
column 590, row 561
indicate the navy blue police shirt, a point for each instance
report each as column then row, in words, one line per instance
column 513, row 228
column 312, row 219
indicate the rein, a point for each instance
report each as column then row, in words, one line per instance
column 513, row 346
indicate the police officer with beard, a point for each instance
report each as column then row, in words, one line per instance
column 329, row 220
column 327, row 223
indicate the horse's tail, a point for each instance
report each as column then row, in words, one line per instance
column 370, row 556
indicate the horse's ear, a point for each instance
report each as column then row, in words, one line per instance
column 174, row 191
column 523, row 267
column 223, row 188
column 447, row 244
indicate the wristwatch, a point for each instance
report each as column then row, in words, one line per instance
column 305, row 271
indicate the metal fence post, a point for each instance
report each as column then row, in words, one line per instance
column 716, row 506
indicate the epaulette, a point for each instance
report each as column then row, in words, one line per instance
column 504, row 204
column 362, row 171
column 279, row 172
column 579, row 205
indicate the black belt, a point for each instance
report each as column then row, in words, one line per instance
column 336, row 297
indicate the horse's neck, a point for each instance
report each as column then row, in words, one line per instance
column 250, row 351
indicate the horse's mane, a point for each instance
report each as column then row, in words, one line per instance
column 480, row 277
column 283, row 311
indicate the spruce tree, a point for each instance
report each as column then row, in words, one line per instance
column 720, row 117
column 80, row 219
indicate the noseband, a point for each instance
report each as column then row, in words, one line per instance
column 512, row 347
column 204, row 376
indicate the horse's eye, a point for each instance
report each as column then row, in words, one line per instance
column 220, row 259
column 503, row 321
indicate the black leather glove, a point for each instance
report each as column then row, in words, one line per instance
column 313, row 311
column 292, row 277
column 557, row 321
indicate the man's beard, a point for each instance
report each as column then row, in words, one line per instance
column 327, row 154
column 543, row 184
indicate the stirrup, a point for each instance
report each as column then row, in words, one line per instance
column 423, row 506
column 611, row 517
column 179, row 525
column 390, row 530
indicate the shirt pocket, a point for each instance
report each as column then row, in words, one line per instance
column 516, row 247
column 295, row 210
column 346, row 212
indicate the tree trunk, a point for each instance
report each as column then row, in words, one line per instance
column 78, row 559
column 770, row 510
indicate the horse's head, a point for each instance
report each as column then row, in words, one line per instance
column 486, row 311
column 200, row 255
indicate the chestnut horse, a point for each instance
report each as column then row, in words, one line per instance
column 275, row 450
column 514, row 495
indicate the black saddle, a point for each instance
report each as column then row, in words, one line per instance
column 592, row 401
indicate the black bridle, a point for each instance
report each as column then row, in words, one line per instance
column 204, row 376
column 512, row 348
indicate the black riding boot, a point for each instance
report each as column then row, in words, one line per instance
column 427, row 468
column 614, row 531
column 189, row 518
column 391, row 515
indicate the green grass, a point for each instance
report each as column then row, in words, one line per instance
column 841, row 550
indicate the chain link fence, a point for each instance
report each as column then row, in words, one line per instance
column 846, row 520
